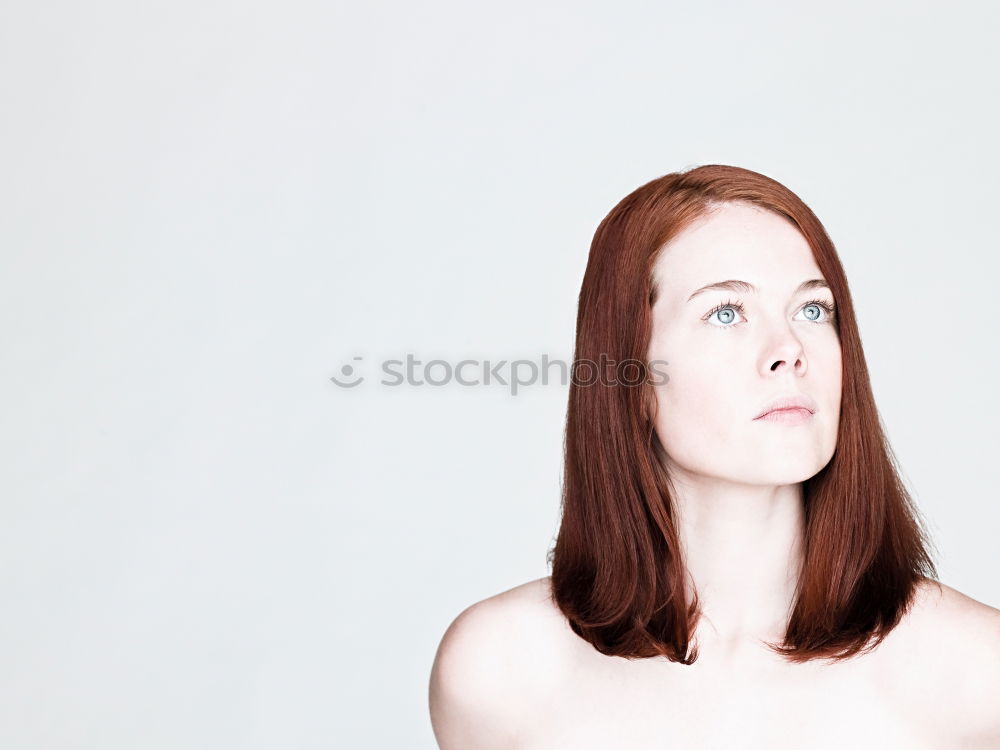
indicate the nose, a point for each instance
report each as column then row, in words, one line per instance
column 785, row 353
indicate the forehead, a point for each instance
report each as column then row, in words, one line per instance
column 736, row 241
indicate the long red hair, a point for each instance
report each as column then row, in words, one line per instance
column 617, row 571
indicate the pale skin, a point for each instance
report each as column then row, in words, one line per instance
column 509, row 673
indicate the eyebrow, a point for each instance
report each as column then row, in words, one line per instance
column 744, row 287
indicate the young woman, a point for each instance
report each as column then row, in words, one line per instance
column 738, row 563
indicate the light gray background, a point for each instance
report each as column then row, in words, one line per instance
column 209, row 208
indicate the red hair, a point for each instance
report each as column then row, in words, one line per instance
column 617, row 571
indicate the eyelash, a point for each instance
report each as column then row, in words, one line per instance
column 738, row 306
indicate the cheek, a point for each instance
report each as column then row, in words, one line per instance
column 694, row 389
column 833, row 392
column 697, row 409
column 826, row 372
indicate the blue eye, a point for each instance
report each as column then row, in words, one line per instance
column 821, row 307
column 726, row 314
column 818, row 312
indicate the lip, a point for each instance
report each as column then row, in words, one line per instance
column 792, row 403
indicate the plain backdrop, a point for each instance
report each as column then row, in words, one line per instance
column 210, row 208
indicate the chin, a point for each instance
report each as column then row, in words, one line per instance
column 793, row 473
column 781, row 471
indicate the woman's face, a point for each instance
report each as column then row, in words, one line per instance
column 726, row 365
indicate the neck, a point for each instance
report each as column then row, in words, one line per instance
column 743, row 548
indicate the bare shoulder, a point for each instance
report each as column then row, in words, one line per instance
column 960, row 625
column 945, row 602
column 496, row 662
column 949, row 649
